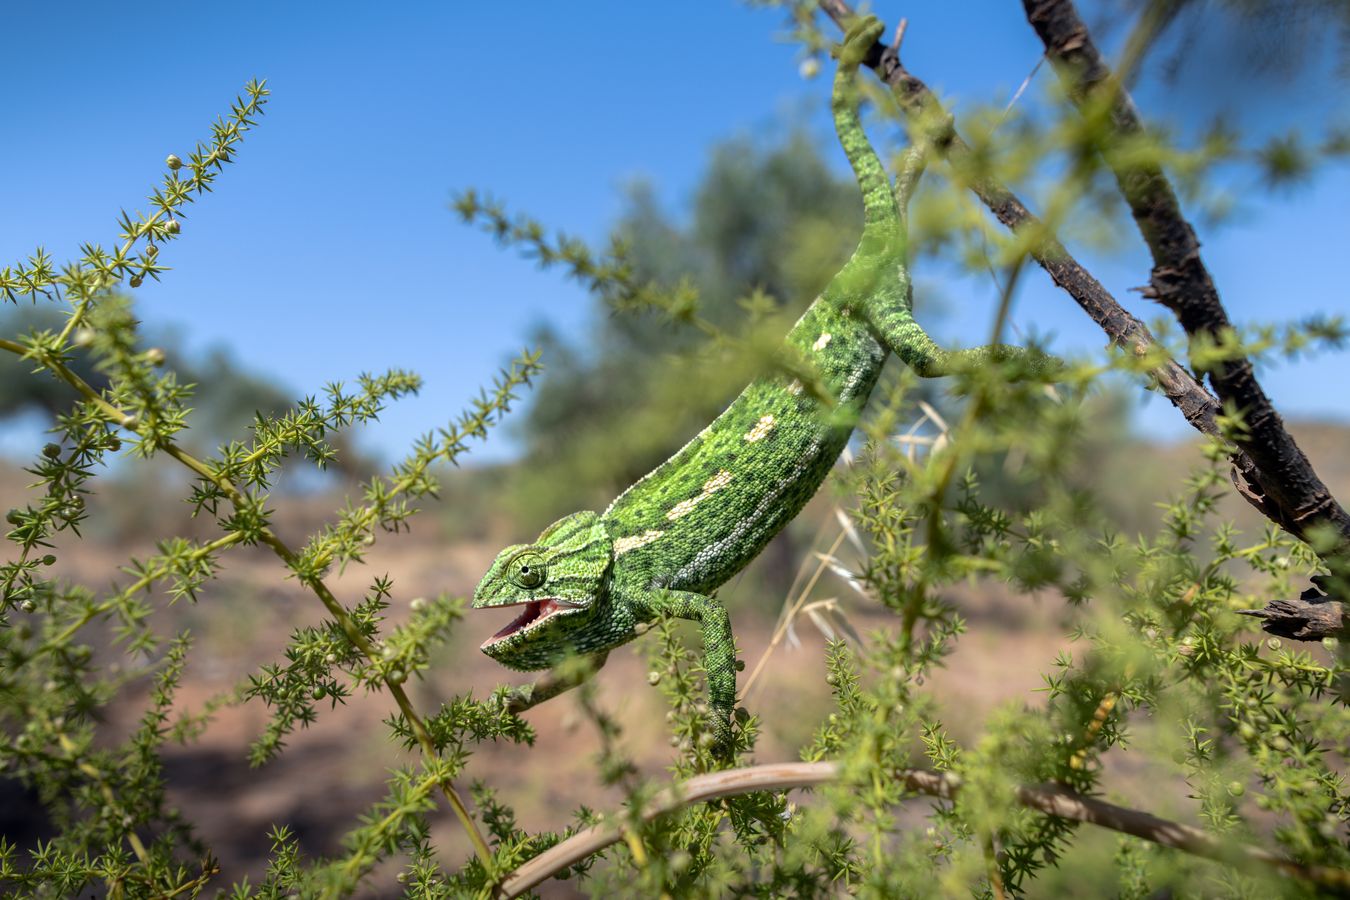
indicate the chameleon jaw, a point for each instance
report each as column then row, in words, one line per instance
column 535, row 613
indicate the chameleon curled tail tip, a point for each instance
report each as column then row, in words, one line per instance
column 861, row 35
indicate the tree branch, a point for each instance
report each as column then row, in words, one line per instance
column 1297, row 499
column 1312, row 617
column 922, row 109
column 1049, row 799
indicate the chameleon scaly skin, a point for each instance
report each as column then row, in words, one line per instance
column 696, row 520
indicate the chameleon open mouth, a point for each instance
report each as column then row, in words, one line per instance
column 535, row 612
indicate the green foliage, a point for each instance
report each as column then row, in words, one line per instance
column 1241, row 735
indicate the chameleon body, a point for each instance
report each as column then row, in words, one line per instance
column 665, row 544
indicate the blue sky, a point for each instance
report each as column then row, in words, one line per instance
column 328, row 249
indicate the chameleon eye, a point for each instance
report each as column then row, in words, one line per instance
column 528, row 570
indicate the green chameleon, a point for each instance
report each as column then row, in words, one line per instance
column 591, row 581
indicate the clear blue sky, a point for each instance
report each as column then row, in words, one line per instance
column 328, row 249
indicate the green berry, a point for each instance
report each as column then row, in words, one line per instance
column 51, row 451
column 14, row 517
column 137, row 281
column 172, row 226
column 173, row 162
column 653, row 677
column 49, row 560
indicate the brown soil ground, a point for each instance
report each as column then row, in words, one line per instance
column 333, row 770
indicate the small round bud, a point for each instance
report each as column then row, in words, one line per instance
column 114, row 443
column 172, row 226
column 1274, row 644
column 387, row 651
column 832, row 680
column 671, row 716
column 398, row 676
column 679, row 861
column 154, row 356
column 14, row 517
column 136, row 281
column 742, row 715
column 84, row 337
column 49, row 560
column 674, row 740
column 51, row 451
column 151, row 251
column 130, row 421
column 1279, row 743
column 653, row 677
column 1236, row 788
column 740, row 665
column 641, row 628
column 706, row 740
column 27, row 605
column 319, row 692
column 330, row 658
column 809, row 68
column 173, row 162
column 417, row 603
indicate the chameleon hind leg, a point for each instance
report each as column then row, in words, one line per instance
column 719, row 650
column 888, row 303
column 902, row 335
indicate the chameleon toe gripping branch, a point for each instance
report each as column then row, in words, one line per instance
column 589, row 582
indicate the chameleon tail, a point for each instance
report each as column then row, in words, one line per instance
column 880, row 217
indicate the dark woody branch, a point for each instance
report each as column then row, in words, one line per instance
column 1276, row 478
column 1291, row 491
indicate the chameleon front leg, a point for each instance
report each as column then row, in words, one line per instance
column 519, row 699
column 719, row 649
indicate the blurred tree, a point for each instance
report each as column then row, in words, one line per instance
column 772, row 220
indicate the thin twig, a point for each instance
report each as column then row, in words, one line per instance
column 1049, row 799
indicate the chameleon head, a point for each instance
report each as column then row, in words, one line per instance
column 558, row 581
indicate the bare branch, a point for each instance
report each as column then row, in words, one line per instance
column 1296, row 497
column 1049, row 799
column 1312, row 617
column 922, row 108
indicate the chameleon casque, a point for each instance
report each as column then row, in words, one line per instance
column 590, row 580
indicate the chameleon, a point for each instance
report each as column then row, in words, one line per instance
column 593, row 581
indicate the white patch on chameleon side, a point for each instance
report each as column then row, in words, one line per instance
column 634, row 541
column 710, row 487
column 821, row 342
column 761, row 430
